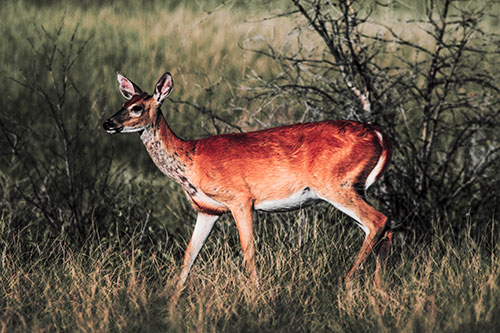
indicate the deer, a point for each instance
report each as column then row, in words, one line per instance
column 274, row 170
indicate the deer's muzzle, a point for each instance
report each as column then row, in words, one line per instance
column 111, row 127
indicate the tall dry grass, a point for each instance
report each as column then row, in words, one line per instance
column 451, row 285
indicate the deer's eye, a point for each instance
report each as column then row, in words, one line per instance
column 137, row 110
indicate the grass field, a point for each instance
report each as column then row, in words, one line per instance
column 451, row 285
column 123, row 279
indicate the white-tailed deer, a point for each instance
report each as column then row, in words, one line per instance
column 277, row 169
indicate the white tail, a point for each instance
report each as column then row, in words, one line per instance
column 278, row 169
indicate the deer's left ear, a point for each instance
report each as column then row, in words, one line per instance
column 163, row 87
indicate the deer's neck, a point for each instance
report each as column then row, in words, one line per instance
column 170, row 154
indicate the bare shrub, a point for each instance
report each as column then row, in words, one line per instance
column 428, row 81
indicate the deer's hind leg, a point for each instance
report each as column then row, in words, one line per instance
column 384, row 249
column 368, row 218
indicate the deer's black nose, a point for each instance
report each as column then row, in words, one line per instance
column 110, row 127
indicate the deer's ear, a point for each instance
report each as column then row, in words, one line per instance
column 127, row 87
column 163, row 87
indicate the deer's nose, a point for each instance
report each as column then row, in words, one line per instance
column 110, row 126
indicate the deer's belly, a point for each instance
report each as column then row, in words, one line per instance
column 301, row 199
column 297, row 200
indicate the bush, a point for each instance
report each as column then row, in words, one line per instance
column 427, row 81
column 57, row 181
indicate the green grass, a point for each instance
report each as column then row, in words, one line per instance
column 122, row 279
column 201, row 49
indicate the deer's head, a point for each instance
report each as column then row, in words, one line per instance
column 140, row 110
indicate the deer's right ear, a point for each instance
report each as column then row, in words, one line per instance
column 127, row 87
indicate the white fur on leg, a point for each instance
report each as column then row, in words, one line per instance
column 204, row 224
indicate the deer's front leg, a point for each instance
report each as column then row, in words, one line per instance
column 204, row 224
column 243, row 217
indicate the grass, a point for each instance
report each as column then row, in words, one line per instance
column 124, row 281
column 201, row 50
column 451, row 285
